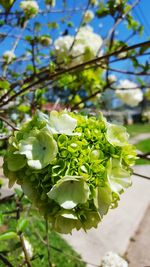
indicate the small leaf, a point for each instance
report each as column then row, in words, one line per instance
column 22, row 224
column 8, row 235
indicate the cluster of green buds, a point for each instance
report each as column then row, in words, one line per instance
column 72, row 167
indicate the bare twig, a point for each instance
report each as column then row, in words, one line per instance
column 8, row 123
column 142, row 176
column 118, row 21
column 57, row 73
column 5, row 261
column 47, row 242
column 27, row 259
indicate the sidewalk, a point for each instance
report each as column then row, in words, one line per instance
column 118, row 226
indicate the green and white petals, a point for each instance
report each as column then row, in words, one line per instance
column 118, row 177
column 65, row 222
column 69, row 192
column 103, row 199
column 92, row 218
column 15, row 161
column 62, row 123
column 40, row 150
column 116, row 135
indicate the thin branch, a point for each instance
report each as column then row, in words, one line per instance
column 27, row 259
column 119, row 20
column 4, row 137
column 141, row 73
column 47, row 242
column 81, row 22
column 142, row 176
column 5, row 261
column 8, row 123
column 144, row 156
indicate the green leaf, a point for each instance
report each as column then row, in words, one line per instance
column 8, row 235
column 22, row 224
column 4, row 84
column 15, row 162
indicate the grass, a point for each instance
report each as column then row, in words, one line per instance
column 143, row 146
column 138, row 128
column 62, row 255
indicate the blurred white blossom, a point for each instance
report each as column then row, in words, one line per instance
column 28, row 247
column 129, row 93
column 88, row 16
column 45, row 41
column 112, row 78
column 146, row 115
column 93, row 2
column 30, row 8
column 8, row 56
column 83, row 47
column 112, row 259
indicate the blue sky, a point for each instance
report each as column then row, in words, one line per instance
column 101, row 26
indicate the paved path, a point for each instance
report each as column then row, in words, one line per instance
column 139, row 137
column 138, row 251
column 119, row 225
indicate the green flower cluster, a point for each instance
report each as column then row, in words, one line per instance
column 72, row 167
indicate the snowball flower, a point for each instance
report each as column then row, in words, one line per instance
column 28, row 247
column 112, row 259
column 8, row 56
column 70, row 167
column 112, row 78
column 88, row 16
column 129, row 93
column 45, row 41
column 30, row 8
column 86, row 45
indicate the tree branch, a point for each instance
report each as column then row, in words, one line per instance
column 57, row 73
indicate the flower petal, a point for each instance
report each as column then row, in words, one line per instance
column 62, row 123
column 69, row 192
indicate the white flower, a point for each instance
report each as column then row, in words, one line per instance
column 28, row 247
column 85, row 47
column 30, row 8
column 93, row 2
column 112, row 259
column 119, row 2
column 122, row 55
column 112, row 78
column 62, row 123
column 129, row 93
column 45, row 41
column 88, row 16
column 8, row 56
column 146, row 115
